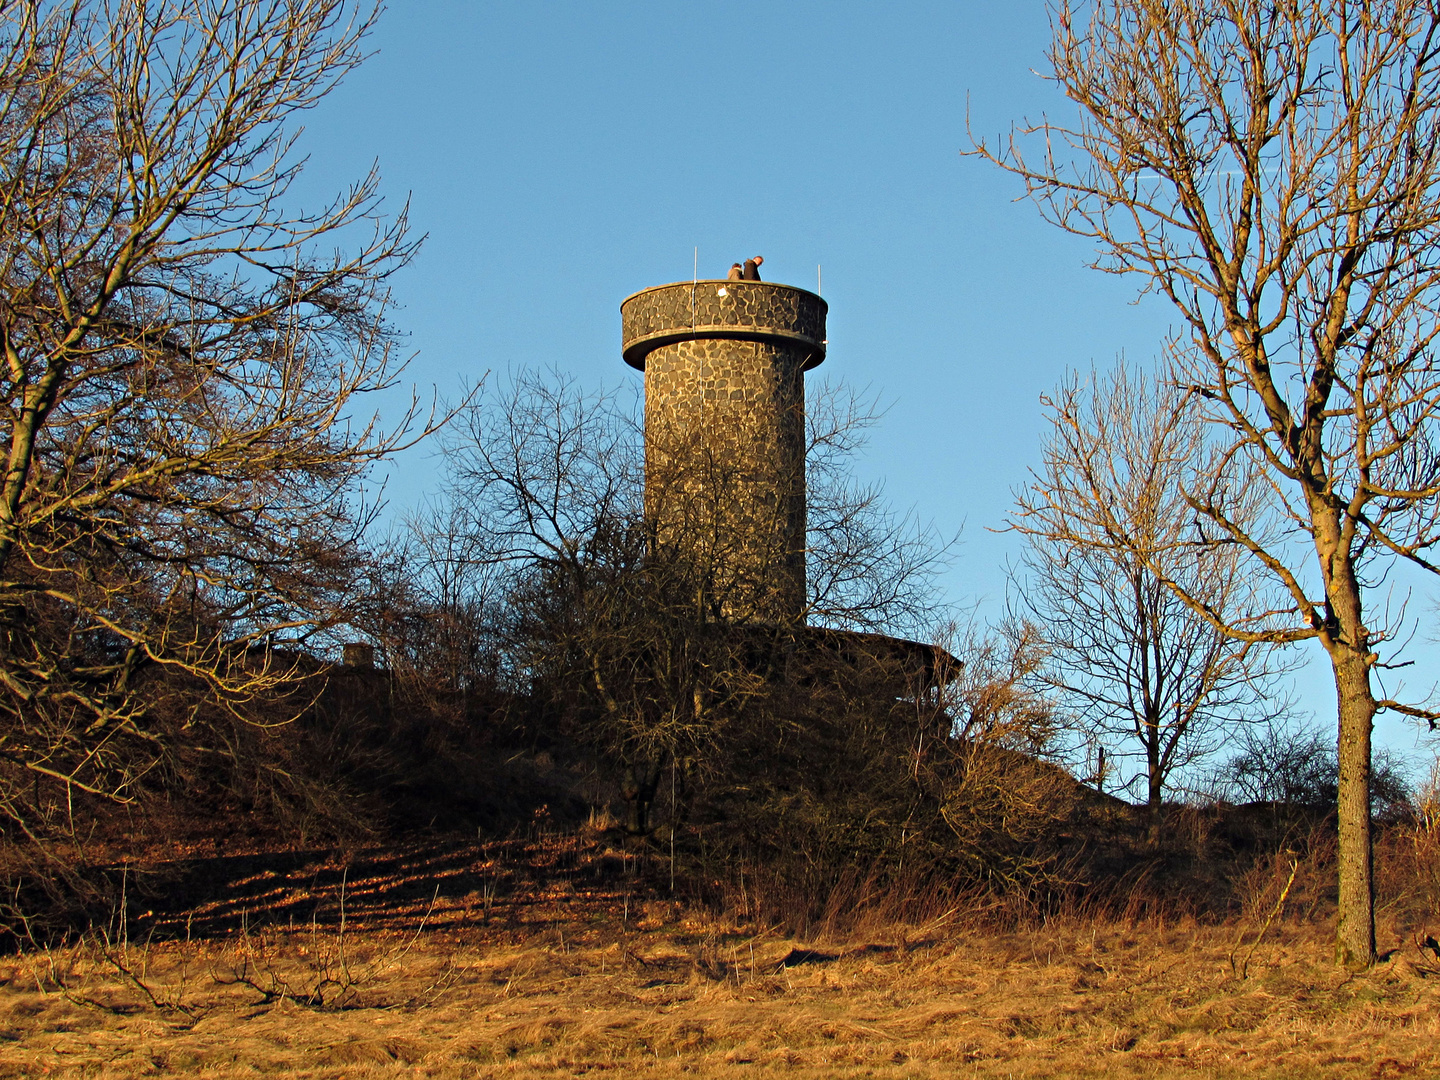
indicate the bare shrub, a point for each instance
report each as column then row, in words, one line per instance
column 1408, row 859
column 1294, row 767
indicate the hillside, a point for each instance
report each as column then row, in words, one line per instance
column 548, row 957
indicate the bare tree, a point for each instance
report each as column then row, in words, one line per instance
column 434, row 604
column 539, row 465
column 1131, row 661
column 183, row 360
column 1273, row 171
column 618, row 634
column 644, row 629
column 870, row 567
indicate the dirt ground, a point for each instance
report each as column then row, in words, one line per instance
column 581, row 975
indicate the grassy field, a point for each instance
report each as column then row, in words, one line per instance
column 565, row 975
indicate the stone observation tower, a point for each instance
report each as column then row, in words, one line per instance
column 725, row 434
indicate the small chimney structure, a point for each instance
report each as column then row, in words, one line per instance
column 724, row 365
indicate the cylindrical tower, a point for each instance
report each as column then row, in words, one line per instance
column 725, row 434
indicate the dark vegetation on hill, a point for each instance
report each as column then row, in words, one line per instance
column 833, row 804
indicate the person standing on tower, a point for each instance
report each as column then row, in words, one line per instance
column 736, row 273
column 752, row 268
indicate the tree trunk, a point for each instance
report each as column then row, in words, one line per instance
column 638, row 787
column 1154, row 775
column 1355, row 931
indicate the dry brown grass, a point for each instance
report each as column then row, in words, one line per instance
column 676, row 993
column 561, row 955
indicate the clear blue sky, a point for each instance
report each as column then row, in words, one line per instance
column 563, row 155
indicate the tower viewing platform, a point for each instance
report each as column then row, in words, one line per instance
column 725, row 310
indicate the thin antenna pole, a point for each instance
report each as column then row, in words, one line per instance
column 818, row 279
column 695, row 276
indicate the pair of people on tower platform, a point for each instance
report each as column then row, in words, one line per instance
column 749, row 272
